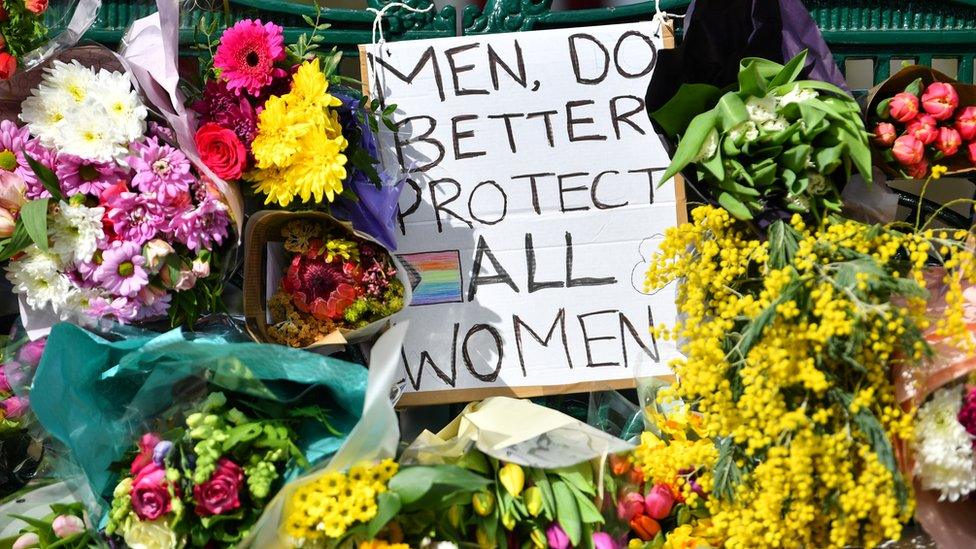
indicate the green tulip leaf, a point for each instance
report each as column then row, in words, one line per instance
column 799, row 186
column 765, row 175
column 915, row 88
column 567, row 511
column 796, row 158
column 731, row 111
column 751, row 82
column 691, row 143
column 790, row 71
column 882, row 109
column 33, row 215
column 737, row 189
column 734, row 206
column 728, row 146
column 675, row 115
column 828, row 159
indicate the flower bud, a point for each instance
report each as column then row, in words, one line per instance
column 122, row 488
column 630, row 505
column 908, row 150
column 67, row 525
column 483, row 503
column 924, row 128
column 885, row 134
column 13, row 191
column 454, row 516
column 918, row 171
column 482, row 538
column 966, row 123
column 948, row 141
column 7, row 223
column 940, row 100
column 508, row 521
column 658, row 503
column 556, row 537
column 538, row 538
column 512, row 478
column 620, row 465
column 155, row 252
column 603, row 540
column 30, row 354
column 15, row 406
column 26, row 541
column 971, row 151
column 533, row 500
column 903, row 107
column 201, row 268
column 645, row 527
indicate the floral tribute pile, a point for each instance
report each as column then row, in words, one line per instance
column 204, row 481
column 22, row 29
column 334, row 281
column 101, row 214
column 268, row 116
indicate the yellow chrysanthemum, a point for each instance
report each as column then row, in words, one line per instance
column 280, row 133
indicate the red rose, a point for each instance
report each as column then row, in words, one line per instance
column 219, row 494
column 36, row 7
column 8, row 65
column 150, row 493
column 221, row 151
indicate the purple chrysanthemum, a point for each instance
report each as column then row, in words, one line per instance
column 136, row 217
column 200, row 227
column 223, row 107
column 160, row 169
column 121, row 271
column 79, row 175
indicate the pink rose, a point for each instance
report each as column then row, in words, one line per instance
column 36, row 7
column 150, row 493
column 884, row 133
column 908, row 150
column 220, row 494
column 940, row 100
column 15, row 406
column 221, row 151
column 924, row 128
column 948, row 141
column 146, row 445
column 966, row 123
column 903, row 107
column 30, row 354
column 918, row 171
column 658, row 503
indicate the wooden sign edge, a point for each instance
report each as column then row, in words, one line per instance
column 454, row 396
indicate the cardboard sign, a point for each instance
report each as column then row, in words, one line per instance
column 531, row 209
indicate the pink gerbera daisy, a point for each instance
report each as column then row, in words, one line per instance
column 247, row 54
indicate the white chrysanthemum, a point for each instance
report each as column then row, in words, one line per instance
column 45, row 113
column 761, row 109
column 72, row 79
column 121, row 104
column 75, row 232
column 744, row 132
column 797, row 94
column 37, row 276
column 89, row 134
column 943, row 448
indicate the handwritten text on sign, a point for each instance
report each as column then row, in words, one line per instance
column 532, row 207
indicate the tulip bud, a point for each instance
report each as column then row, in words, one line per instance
column 26, row 541
column 4, row 383
column 918, row 171
column 636, row 476
column 940, row 100
column 538, row 538
column 512, row 478
column 923, row 128
column 483, row 539
column 454, row 516
column 948, row 141
column 658, row 503
column 483, row 503
column 966, row 123
column 903, row 107
column 603, row 540
column 31, row 353
column 67, row 525
column 508, row 521
column 645, row 527
column 533, row 500
column 971, row 151
column 7, row 223
column 556, row 537
column 884, row 133
column 630, row 505
column 15, row 406
column 13, row 191
column 201, row 268
column 908, row 150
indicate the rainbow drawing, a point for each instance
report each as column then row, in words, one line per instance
column 434, row 276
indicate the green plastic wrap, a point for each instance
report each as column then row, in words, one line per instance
column 98, row 395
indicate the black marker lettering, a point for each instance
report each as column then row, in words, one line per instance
column 596, row 201
column 501, row 191
column 456, row 70
column 478, row 279
column 531, row 263
column 575, row 59
column 617, row 117
column 574, row 282
column 497, row 338
column 440, row 206
column 563, row 190
column 494, row 61
column 560, row 321
column 458, row 136
column 571, row 122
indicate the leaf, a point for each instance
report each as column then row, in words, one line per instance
column 828, row 159
column 790, row 71
column 737, row 189
column 734, row 206
column 579, row 476
column 16, row 243
column 589, row 514
column 691, row 143
column 387, row 507
column 783, row 244
column 33, row 215
column 434, row 485
column 731, row 111
column 308, row 20
column 714, row 166
column 727, row 474
column 882, row 109
column 540, row 479
column 46, row 176
column 796, row 158
column 915, row 88
column 567, row 511
column 751, row 82
column 675, row 115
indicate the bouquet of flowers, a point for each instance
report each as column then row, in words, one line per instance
column 773, row 146
column 15, row 372
column 25, row 30
column 206, row 479
column 945, row 427
column 267, row 114
column 332, row 281
column 928, row 121
column 101, row 214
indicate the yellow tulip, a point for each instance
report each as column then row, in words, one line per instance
column 483, row 503
column 454, row 516
column 508, row 521
column 538, row 538
column 533, row 500
column 484, row 542
column 512, row 478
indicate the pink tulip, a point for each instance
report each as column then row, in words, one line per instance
column 630, row 505
column 659, row 502
column 966, row 123
column 884, row 133
column 918, row 171
column 7, row 223
column 908, row 150
column 4, row 384
column 903, row 107
column 30, row 354
column 26, row 541
column 940, row 100
column 556, row 537
column 67, row 525
column 924, row 128
column 15, row 406
column 949, row 141
column 603, row 540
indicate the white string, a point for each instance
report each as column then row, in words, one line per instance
column 661, row 17
column 378, row 21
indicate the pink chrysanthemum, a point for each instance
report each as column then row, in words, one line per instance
column 199, row 228
column 123, row 309
column 247, row 54
column 160, row 169
column 14, row 142
column 121, row 271
column 136, row 217
column 79, row 175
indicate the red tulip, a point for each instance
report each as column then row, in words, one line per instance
column 903, row 107
column 948, row 141
column 940, row 100
column 630, row 505
column 908, row 150
column 885, row 134
column 645, row 527
column 971, row 149
column 966, row 123
column 919, row 170
column 924, row 128
column 658, row 503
